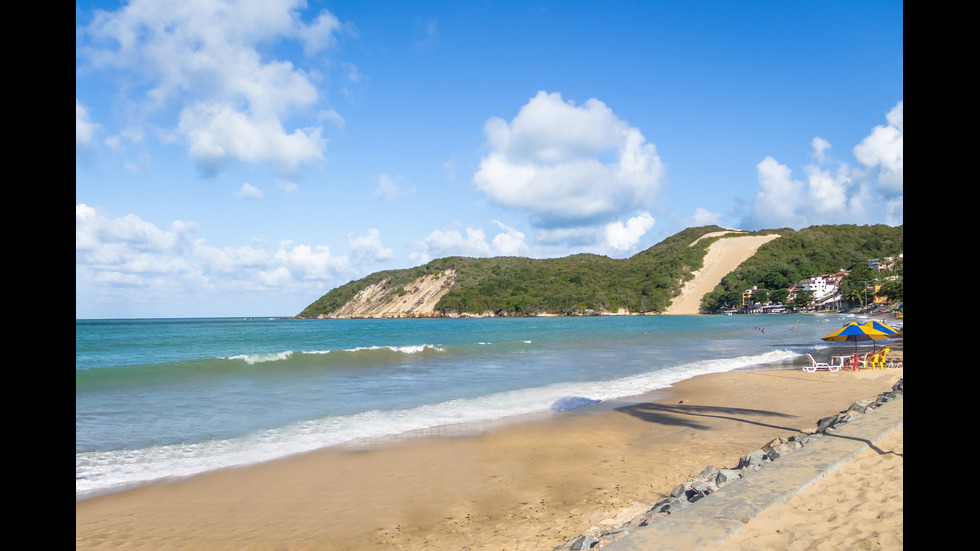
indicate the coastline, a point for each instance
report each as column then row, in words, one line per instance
column 528, row 485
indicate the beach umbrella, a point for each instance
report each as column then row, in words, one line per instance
column 883, row 327
column 857, row 333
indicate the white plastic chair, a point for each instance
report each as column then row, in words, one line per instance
column 815, row 365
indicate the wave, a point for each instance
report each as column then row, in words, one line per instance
column 252, row 359
column 106, row 471
column 244, row 364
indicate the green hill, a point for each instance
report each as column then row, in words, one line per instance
column 644, row 283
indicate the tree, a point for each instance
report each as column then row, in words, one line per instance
column 803, row 299
column 779, row 296
column 891, row 290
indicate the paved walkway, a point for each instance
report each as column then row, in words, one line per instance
column 716, row 517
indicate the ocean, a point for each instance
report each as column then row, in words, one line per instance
column 169, row 398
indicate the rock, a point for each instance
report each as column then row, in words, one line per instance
column 704, row 487
column 643, row 519
column 727, row 475
column 579, row 543
column 862, row 406
column 754, row 458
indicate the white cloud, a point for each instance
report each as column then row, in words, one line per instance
column 321, row 33
column 780, row 194
column 305, row 262
column 568, row 165
column 820, row 146
column 704, row 217
column 624, row 237
column 510, row 242
column 84, row 127
column 93, row 230
column 471, row 242
column 835, row 192
column 127, row 258
column 248, row 191
column 389, row 188
column 210, row 62
column 217, row 134
column 884, row 149
column 368, row 249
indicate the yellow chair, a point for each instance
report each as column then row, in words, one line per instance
column 890, row 362
column 883, row 359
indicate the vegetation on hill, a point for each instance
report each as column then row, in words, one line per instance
column 643, row 283
column 580, row 283
column 810, row 252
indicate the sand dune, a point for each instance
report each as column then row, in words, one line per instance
column 723, row 256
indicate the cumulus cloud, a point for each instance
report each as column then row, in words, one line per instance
column 217, row 134
column 209, row 62
column 567, row 165
column 780, row 194
column 248, row 191
column 84, row 127
column 390, row 188
column 625, row 236
column 368, row 248
column 704, row 217
column 471, row 242
column 114, row 253
column 834, row 191
column 884, row 150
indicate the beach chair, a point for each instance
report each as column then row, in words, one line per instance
column 815, row 365
column 865, row 361
column 884, row 360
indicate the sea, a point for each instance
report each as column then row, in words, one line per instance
column 163, row 399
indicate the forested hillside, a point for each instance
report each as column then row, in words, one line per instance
column 809, row 252
column 643, row 283
column 581, row 283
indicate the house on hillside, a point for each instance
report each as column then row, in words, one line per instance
column 887, row 263
column 825, row 289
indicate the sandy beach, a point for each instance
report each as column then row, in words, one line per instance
column 524, row 486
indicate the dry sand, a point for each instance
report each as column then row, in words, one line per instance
column 722, row 257
column 525, row 486
column 859, row 506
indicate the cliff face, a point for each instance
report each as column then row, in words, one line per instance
column 415, row 300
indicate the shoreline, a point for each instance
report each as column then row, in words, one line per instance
column 527, row 485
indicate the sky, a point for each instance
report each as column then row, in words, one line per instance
column 244, row 157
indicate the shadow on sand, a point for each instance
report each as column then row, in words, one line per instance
column 686, row 415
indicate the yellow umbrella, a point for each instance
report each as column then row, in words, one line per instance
column 856, row 332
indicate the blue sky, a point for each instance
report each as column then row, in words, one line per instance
column 241, row 158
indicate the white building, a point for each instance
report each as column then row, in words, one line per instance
column 820, row 286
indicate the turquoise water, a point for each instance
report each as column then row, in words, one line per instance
column 163, row 398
